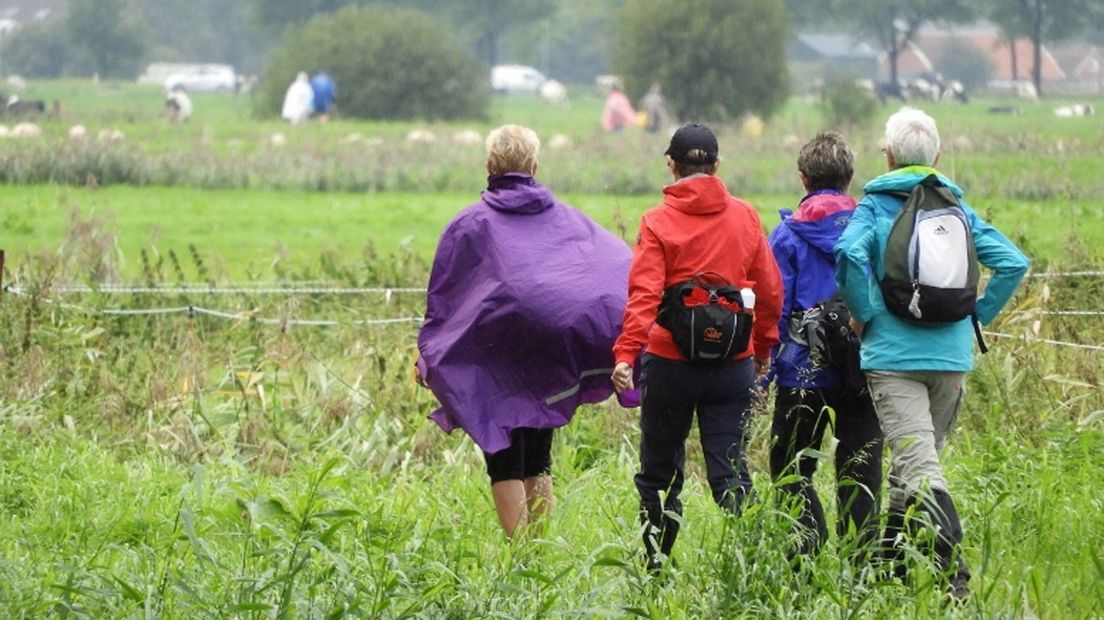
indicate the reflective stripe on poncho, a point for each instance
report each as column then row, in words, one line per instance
column 525, row 300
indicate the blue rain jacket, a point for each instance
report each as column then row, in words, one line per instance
column 802, row 245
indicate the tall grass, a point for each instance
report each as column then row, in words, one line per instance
column 172, row 466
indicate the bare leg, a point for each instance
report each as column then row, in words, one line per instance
column 511, row 505
column 538, row 495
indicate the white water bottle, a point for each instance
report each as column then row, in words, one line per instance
column 748, row 297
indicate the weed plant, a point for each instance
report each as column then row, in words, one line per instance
column 175, row 465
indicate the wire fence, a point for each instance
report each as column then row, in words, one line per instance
column 245, row 315
column 232, row 289
column 267, row 288
column 1057, row 343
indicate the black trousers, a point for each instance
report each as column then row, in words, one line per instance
column 671, row 393
column 801, row 417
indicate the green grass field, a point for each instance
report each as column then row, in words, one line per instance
column 195, row 466
column 251, row 234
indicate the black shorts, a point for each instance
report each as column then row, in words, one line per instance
column 529, row 455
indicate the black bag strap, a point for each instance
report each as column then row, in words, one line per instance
column 977, row 333
column 713, row 281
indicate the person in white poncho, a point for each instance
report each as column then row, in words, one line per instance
column 299, row 100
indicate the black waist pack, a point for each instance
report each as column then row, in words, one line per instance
column 826, row 330
column 707, row 318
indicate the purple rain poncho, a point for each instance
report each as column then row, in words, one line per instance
column 525, row 300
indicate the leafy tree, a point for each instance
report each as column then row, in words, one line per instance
column 39, row 49
column 481, row 23
column 485, row 24
column 489, row 19
column 114, row 45
column 1012, row 25
column 278, row 16
column 714, row 59
column 1042, row 21
column 203, row 31
column 572, row 44
column 808, row 13
column 894, row 23
column 388, row 63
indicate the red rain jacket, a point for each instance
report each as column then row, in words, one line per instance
column 699, row 227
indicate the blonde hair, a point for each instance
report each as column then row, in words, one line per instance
column 512, row 148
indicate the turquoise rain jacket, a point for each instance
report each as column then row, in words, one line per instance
column 896, row 344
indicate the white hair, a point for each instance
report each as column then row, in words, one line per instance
column 911, row 137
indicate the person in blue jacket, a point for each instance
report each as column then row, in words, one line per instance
column 916, row 371
column 810, row 395
column 324, row 93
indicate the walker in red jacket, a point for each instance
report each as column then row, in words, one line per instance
column 698, row 228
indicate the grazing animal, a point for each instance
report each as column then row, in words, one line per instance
column 1027, row 91
column 24, row 107
column 1077, row 109
column 110, row 135
column 955, row 91
column 26, row 130
column 423, row 136
column 922, row 89
column 559, row 142
column 468, row 137
column 178, row 106
column 554, row 92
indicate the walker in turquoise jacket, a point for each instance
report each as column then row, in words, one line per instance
column 897, row 344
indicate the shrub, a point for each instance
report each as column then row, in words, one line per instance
column 388, row 64
column 715, row 59
column 846, row 105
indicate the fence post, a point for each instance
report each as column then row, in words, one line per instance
column 1, row 273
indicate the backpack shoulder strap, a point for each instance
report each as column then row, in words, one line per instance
column 977, row 334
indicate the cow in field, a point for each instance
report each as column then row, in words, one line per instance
column 17, row 107
column 178, row 106
column 1076, row 109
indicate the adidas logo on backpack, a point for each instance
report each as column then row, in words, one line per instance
column 931, row 268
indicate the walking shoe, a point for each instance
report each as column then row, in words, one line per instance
column 958, row 589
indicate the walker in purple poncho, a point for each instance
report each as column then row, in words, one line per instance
column 525, row 300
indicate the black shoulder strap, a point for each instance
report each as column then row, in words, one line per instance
column 977, row 333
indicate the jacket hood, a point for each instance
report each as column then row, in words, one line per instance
column 699, row 194
column 904, row 179
column 517, row 192
column 820, row 219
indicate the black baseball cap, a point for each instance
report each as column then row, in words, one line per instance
column 690, row 137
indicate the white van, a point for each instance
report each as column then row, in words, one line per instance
column 516, row 79
column 213, row 77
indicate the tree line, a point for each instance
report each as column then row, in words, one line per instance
column 714, row 59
